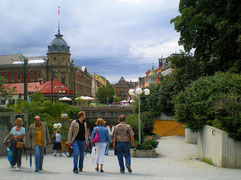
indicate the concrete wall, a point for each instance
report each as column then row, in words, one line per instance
column 215, row 145
column 190, row 137
column 167, row 126
column 5, row 127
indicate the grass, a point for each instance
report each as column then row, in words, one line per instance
column 207, row 160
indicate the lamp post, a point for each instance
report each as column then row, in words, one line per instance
column 137, row 92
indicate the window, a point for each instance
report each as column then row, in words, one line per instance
column 55, row 59
column 2, row 102
column 31, row 76
column 6, row 76
column 19, row 76
column 63, row 78
column 38, row 75
column 63, row 59
column 12, row 77
column 0, row 75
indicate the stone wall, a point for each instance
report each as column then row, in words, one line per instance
column 215, row 145
column 109, row 113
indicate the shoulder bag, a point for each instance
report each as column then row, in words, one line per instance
column 96, row 138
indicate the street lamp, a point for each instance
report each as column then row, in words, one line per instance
column 137, row 92
column 57, row 125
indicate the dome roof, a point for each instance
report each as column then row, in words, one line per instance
column 58, row 45
column 152, row 73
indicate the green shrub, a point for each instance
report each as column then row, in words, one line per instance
column 214, row 100
column 146, row 123
column 147, row 145
column 132, row 120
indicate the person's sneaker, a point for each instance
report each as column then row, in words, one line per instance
column 101, row 170
column 17, row 168
column 122, row 172
column 36, row 170
column 76, row 172
column 12, row 166
column 129, row 168
column 80, row 169
column 40, row 169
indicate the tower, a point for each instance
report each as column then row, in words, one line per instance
column 58, row 59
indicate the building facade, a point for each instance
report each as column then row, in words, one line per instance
column 56, row 64
column 98, row 81
column 122, row 88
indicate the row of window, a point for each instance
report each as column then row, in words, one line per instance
column 55, row 59
column 19, row 76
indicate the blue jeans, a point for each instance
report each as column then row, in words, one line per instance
column 79, row 149
column 39, row 157
column 17, row 154
column 123, row 149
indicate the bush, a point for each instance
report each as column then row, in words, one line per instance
column 213, row 100
column 146, row 123
column 147, row 145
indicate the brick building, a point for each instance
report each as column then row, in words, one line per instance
column 56, row 64
column 122, row 88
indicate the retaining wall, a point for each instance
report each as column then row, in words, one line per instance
column 215, row 145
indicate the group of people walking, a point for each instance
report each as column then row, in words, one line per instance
column 38, row 138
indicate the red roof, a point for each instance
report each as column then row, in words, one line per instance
column 44, row 88
column 57, row 86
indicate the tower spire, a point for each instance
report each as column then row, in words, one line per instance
column 59, row 20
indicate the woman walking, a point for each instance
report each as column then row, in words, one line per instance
column 101, row 145
column 57, row 142
column 16, row 136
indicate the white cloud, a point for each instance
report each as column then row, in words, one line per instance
column 117, row 29
column 155, row 48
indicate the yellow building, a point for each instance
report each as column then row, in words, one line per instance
column 97, row 81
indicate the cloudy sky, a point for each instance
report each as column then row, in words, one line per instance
column 113, row 38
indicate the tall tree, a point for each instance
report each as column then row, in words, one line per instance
column 105, row 94
column 213, row 29
column 4, row 92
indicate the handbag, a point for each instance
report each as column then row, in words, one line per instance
column 19, row 145
column 96, row 138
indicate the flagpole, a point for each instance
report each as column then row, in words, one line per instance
column 59, row 20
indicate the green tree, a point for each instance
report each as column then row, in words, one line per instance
column 4, row 92
column 214, row 100
column 213, row 29
column 185, row 70
column 105, row 93
column 146, row 123
column 37, row 96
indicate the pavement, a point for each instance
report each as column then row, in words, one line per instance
column 177, row 160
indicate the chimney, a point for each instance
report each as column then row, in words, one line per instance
column 40, row 80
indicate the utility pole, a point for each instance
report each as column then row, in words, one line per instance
column 25, row 81
column 52, row 97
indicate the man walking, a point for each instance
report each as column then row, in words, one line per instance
column 78, row 138
column 122, row 136
column 38, row 139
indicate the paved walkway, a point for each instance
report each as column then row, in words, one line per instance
column 177, row 161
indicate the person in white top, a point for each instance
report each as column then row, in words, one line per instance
column 57, row 142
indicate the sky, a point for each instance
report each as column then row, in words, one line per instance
column 113, row 38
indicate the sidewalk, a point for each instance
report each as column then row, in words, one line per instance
column 177, row 160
